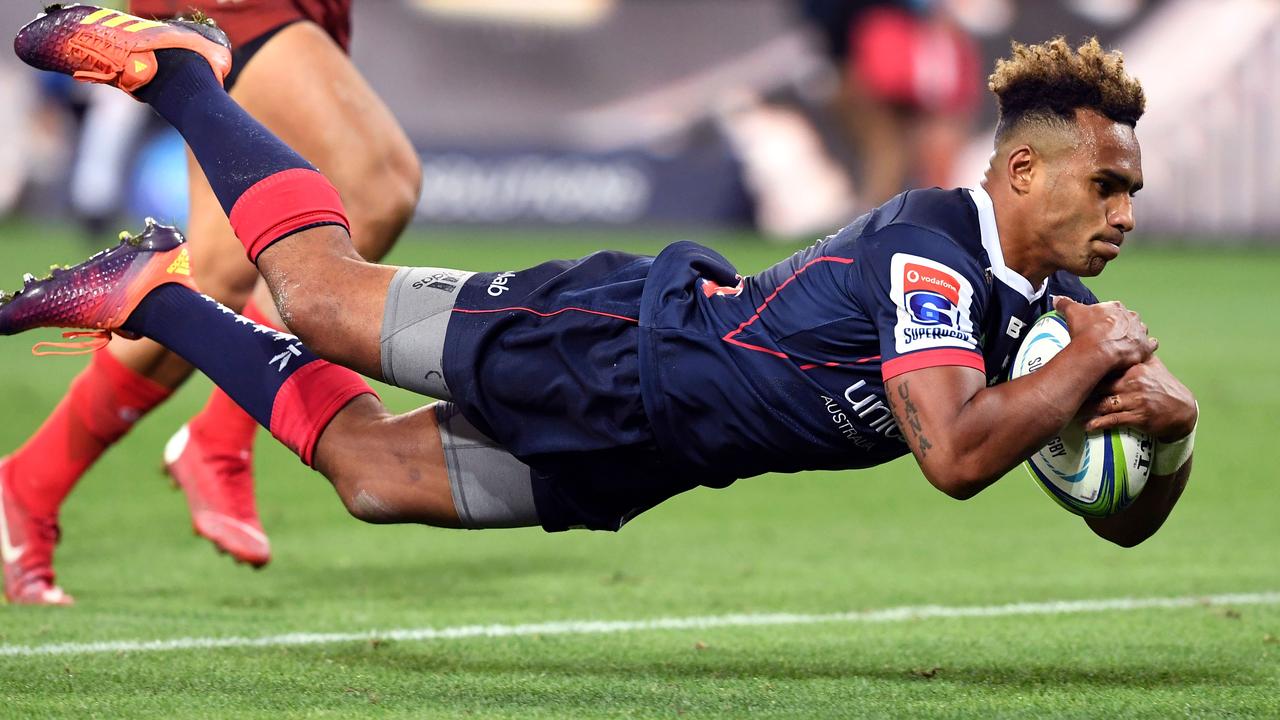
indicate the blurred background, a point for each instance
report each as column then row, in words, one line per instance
column 784, row 117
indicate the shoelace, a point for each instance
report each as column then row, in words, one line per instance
column 99, row 340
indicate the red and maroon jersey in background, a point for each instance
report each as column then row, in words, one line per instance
column 245, row 20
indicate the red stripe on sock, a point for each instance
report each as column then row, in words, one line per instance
column 283, row 203
column 101, row 405
column 308, row 400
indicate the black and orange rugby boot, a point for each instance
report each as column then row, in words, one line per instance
column 99, row 294
column 100, row 45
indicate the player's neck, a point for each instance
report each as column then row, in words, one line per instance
column 1021, row 248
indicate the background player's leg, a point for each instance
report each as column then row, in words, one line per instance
column 331, row 116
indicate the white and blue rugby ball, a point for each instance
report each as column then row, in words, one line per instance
column 1094, row 474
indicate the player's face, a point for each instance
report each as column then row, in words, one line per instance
column 1087, row 196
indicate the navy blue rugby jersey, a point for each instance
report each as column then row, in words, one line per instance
column 784, row 370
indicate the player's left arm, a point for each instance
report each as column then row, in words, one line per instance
column 1148, row 397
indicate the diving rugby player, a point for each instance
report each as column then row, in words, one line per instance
column 580, row 393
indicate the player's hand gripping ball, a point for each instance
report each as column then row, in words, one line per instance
column 1093, row 474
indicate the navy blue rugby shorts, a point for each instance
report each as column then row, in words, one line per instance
column 545, row 362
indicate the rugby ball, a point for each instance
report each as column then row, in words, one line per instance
column 1093, row 474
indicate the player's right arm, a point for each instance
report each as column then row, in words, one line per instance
column 1150, row 398
column 966, row 435
column 930, row 298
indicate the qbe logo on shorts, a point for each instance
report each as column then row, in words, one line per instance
column 933, row 303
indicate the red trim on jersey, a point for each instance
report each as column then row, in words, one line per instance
column 307, row 402
column 546, row 314
column 810, row 366
column 729, row 338
column 284, row 203
column 932, row 358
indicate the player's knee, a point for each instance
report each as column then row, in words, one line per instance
column 357, row 481
column 356, row 491
column 310, row 296
column 384, row 201
column 363, row 501
column 405, row 167
column 323, row 322
column 313, row 317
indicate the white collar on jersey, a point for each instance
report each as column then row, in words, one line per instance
column 991, row 243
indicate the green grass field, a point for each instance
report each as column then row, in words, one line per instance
column 808, row 544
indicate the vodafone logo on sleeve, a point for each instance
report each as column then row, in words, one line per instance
column 931, row 294
column 933, row 303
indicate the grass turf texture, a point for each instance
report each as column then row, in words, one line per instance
column 811, row 543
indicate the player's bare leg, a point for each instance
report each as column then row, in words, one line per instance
column 388, row 468
column 292, row 224
column 329, row 296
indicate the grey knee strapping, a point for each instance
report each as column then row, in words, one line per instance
column 490, row 487
column 419, row 304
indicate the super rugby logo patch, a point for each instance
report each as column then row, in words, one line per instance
column 931, row 295
column 933, row 303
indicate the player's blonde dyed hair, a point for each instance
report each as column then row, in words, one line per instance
column 1050, row 81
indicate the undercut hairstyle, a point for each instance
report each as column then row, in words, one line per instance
column 1049, row 82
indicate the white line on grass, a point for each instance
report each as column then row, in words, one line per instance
column 602, row 627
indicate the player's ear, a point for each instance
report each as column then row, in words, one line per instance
column 1022, row 161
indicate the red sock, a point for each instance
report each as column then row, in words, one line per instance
column 102, row 404
column 223, row 423
column 302, row 410
column 309, row 400
column 282, row 204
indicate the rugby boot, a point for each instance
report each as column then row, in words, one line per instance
column 100, row 293
column 219, row 489
column 100, row 45
column 26, row 545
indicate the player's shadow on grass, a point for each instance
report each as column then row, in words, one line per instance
column 461, row 576
column 708, row 666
